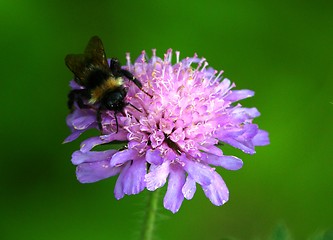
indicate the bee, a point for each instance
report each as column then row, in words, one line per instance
column 103, row 83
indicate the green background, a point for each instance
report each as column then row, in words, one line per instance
column 280, row 49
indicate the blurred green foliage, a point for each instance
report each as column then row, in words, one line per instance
column 280, row 49
column 280, row 233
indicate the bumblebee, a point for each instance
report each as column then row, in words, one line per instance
column 103, row 83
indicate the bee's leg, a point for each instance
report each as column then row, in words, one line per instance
column 115, row 67
column 116, row 70
column 115, row 117
column 134, row 107
column 130, row 77
column 99, row 118
column 77, row 95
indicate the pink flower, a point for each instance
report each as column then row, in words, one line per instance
column 175, row 135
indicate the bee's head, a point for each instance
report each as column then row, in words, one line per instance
column 114, row 100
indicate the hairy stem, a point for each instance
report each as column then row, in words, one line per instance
column 150, row 216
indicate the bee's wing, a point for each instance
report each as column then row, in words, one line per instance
column 76, row 63
column 82, row 64
column 95, row 52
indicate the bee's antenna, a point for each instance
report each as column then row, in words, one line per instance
column 151, row 96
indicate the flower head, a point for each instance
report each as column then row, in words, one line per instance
column 172, row 137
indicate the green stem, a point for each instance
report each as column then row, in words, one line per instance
column 149, row 221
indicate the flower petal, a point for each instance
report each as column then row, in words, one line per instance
column 166, row 125
column 157, row 176
column 74, row 135
column 200, row 173
column 244, row 140
column 174, row 197
column 212, row 149
column 83, row 122
column 241, row 115
column 246, row 147
column 156, row 138
column 90, row 143
column 189, row 188
column 251, row 112
column 79, row 157
column 154, row 157
column 227, row 162
column 95, row 171
column 177, row 135
column 120, row 136
column 237, row 95
column 261, row 139
column 119, row 188
column 133, row 182
column 217, row 191
column 123, row 156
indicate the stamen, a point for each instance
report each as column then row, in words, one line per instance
column 204, row 67
column 128, row 59
column 213, row 75
column 168, row 56
column 194, row 56
column 143, row 56
column 200, row 63
column 177, row 56
column 179, row 69
column 218, row 76
column 153, row 58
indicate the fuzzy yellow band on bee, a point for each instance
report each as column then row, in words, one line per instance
column 110, row 84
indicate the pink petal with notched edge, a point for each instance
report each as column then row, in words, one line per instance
column 240, row 115
column 166, row 125
column 237, row 95
column 189, row 188
column 174, row 197
column 90, row 143
column 227, row 162
column 123, row 156
column 73, row 136
column 119, row 187
column 84, row 122
column 135, row 177
column 156, row 138
column 261, row 138
column 95, row 171
column 157, row 176
column 79, row 157
column 217, row 191
column 154, row 157
column 120, row 136
column 200, row 173
column 246, row 147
